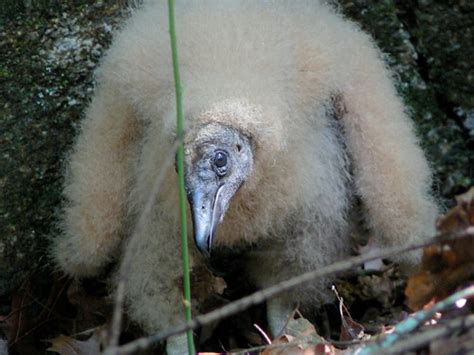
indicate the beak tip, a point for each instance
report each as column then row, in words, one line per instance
column 205, row 251
column 203, row 244
column 206, row 213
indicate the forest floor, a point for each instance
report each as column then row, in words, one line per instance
column 376, row 310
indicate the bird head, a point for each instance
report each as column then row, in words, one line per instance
column 218, row 160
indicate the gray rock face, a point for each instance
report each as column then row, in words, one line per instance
column 429, row 47
column 46, row 63
column 47, row 60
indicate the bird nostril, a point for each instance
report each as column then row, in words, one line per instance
column 203, row 207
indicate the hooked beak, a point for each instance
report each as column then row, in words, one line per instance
column 207, row 212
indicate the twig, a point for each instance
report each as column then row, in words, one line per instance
column 130, row 251
column 15, row 311
column 433, row 332
column 117, row 315
column 29, row 331
column 86, row 332
column 52, row 300
column 262, row 333
column 413, row 322
column 261, row 296
column 23, row 298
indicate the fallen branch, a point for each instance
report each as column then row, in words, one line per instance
column 261, row 296
column 415, row 341
column 386, row 342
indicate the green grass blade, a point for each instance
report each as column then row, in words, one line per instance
column 180, row 168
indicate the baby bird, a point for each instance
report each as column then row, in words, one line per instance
column 291, row 116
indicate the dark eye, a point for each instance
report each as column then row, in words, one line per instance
column 220, row 163
column 220, row 160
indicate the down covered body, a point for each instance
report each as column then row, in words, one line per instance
column 291, row 116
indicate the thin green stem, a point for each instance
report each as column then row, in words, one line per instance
column 180, row 168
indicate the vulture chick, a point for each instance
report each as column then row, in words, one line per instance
column 291, row 115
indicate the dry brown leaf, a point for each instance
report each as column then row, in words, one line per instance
column 350, row 329
column 448, row 265
column 291, row 349
column 66, row 345
column 204, row 284
column 301, row 327
column 460, row 217
column 307, row 342
column 376, row 287
column 420, row 290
